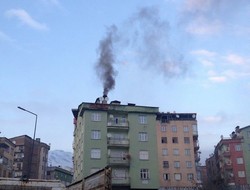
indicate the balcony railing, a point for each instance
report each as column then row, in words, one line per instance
column 118, row 125
column 118, row 142
column 122, row 161
column 120, row 180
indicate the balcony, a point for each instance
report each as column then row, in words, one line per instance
column 121, row 181
column 114, row 124
column 196, row 146
column 118, row 142
column 119, row 161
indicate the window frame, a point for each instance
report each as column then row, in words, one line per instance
column 144, row 174
column 143, row 136
column 95, row 153
column 143, row 155
column 95, row 134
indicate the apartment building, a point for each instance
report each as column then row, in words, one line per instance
column 245, row 133
column 120, row 136
column 6, row 157
column 229, row 161
column 178, row 150
column 59, row 173
column 30, row 157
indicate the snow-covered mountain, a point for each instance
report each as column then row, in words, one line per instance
column 60, row 158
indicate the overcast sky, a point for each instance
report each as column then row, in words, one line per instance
column 187, row 56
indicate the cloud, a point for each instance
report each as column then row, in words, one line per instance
column 5, row 37
column 203, row 52
column 236, row 59
column 215, row 119
column 218, row 79
column 25, row 18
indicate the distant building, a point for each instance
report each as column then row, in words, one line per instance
column 245, row 133
column 6, row 157
column 228, row 165
column 58, row 173
column 178, row 145
column 126, row 138
column 23, row 157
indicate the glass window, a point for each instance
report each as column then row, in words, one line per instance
column 190, row 176
column 144, row 174
column 238, row 147
column 177, row 176
column 95, row 134
column 164, row 151
column 189, row 164
column 143, row 136
column 174, row 128
column 187, row 152
column 165, row 164
column 239, row 160
column 96, row 153
column 175, row 140
column 142, row 119
column 177, row 164
column 166, row 176
column 163, row 128
column 186, row 140
column 143, row 155
column 96, row 117
column 195, row 130
column 185, row 129
column 176, row 151
column 163, row 140
column 241, row 174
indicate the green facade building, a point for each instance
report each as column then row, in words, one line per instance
column 120, row 136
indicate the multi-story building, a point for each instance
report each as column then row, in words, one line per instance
column 131, row 140
column 6, row 157
column 231, row 160
column 245, row 133
column 59, row 173
column 30, row 157
column 121, row 136
column 178, row 146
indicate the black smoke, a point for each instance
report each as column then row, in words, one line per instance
column 104, row 67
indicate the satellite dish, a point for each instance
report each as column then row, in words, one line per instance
column 111, row 116
column 177, row 116
column 193, row 115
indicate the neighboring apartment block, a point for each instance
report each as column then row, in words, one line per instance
column 59, row 173
column 178, row 146
column 6, row 157
column 125, row 137
column 228, row 166
column 30, row 163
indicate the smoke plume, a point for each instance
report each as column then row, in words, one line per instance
column 104, row 67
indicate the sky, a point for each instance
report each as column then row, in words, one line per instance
column 187, row 56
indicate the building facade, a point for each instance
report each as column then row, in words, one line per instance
column 178, row 150
column 126, row 138
column 6, row 157
column 121, row 136
column 245, row 133
column 58, row 173
column 30, row 157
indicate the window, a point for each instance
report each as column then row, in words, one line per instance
column 95, row 134
column 177, row 164
column 241, row 174
column 176, row 152
column 187, row 152
column 96, row 117
column 175, row 140
column 163, row 140
column 174, row 128
column 189, row 164
column 186, row 129
column 238, row 147
column 195, row 130
column 165, row 164
column 163, row 128
column 95, row 153
column 143, row 136
column 143, row 155
column 144, row 174
column 186, row 140
column 177, row 176
column 142, row 119
column 239, row 160
column 164, row 151
column 166, row 176
column 248, row 134
column 190, row 176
